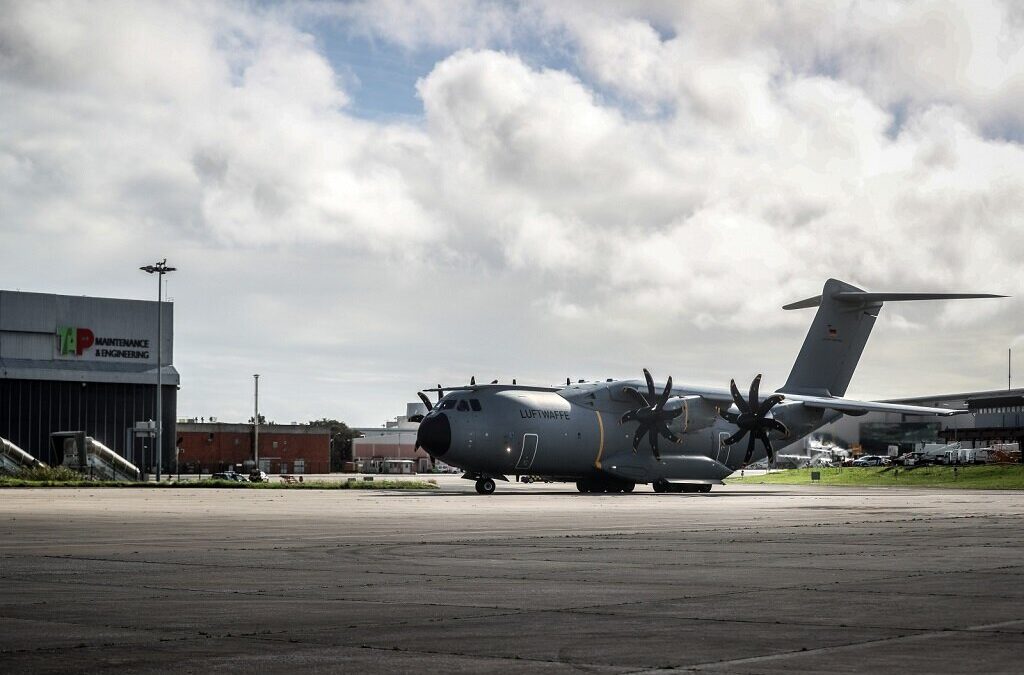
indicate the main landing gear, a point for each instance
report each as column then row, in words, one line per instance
column 662, row 485
column 604, row 484
column 485, row 486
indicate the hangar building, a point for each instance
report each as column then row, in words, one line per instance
column 74, row 363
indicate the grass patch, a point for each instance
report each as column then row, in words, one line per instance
column 984, row 477
column 78, row 482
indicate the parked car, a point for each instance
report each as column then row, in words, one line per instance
column 229, row 475
column 258, row 476
column 869, row 460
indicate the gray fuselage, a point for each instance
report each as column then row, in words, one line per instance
column 574, row 432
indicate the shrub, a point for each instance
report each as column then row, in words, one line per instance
column 49, row 473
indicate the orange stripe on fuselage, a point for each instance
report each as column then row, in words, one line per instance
column 600, row 447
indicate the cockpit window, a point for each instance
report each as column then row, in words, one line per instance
column 447, row 405
column 474, row 404
column 463, row 405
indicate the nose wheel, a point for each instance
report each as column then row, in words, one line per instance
column 485, row 486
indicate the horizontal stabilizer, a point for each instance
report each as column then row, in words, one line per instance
column 863, row 297
column 850, row 407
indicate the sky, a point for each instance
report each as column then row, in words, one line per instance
column 364, row 199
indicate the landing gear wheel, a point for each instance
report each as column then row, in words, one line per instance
column 628, row 487
column 582, row 486
column 705, row 488
column 485, row 486
column 661, row 485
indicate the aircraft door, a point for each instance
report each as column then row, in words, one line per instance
column 528, row 453
column 723, row 449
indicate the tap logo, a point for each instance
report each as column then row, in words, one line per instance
column 74, row 340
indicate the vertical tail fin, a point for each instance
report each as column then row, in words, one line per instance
column 840, row 330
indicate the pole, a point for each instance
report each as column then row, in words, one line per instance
column 160, row 269
column 256, row 420
column 159, row 372
column 1009, row 368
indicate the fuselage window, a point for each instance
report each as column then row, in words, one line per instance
column 447, row 405
column 463, row 405
column 474, row 404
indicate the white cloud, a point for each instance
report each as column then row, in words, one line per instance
column 646, row 187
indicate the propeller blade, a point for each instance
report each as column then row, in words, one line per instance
column 653, row 438
column 426, row 401
column 767, row 446
column 741, row 403
column 736, row 437
column 472, row 380
column 416, row 418
column 638, row 436
column 667, row 433
column 440, row 393
column 750, row 448
column 637, row 396
column 728, row 416
column 627, row 416
column 664, row 396
column 754, row 391
column 651, row 393
column 494, row 382
column 773, row 423
column 770, row 403
column 568, row 381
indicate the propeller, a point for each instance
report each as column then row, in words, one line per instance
column 426, row 402
column 651, row 417
column 419, row 418
column 754, row 419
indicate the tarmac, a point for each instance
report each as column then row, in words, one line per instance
column 535, row 578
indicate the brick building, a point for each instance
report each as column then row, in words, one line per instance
column 284, row 448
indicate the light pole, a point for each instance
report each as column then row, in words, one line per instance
column 256, row 420
column 160, row 269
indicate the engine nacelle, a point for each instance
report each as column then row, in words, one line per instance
column 697, row 414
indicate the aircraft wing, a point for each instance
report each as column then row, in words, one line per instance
column 723, row 398
column 850, row 407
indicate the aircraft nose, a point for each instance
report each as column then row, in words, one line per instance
column 435, row 434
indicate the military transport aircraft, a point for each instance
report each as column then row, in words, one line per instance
column 593, row 432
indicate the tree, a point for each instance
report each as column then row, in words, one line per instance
column 341, row 440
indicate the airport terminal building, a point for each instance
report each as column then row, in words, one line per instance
column 74, row 363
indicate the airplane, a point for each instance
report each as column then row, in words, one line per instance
column 592, row 433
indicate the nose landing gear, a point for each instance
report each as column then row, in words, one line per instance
column 485, row 486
